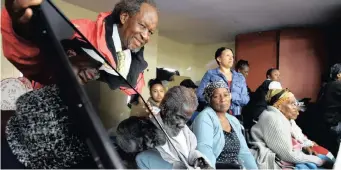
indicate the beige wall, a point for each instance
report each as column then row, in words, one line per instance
column 189, row 59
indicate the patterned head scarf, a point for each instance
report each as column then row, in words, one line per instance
column 276, row 97
column 209, row 89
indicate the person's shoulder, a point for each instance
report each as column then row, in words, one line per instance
column 80, row 23
column 233, row 120
column 238, row 75
column 333, row 87
column 206, row 114
column 336, row 84
column 270, row 113
column 211, row 71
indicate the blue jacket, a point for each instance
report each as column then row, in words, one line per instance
column 240, row 96
column 211, row 140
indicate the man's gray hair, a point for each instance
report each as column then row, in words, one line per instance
column 129, row 6
column 176, row 108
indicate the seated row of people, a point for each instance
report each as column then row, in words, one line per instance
column 220, row 137
column 217, row 135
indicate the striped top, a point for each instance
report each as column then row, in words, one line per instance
column 273, row 129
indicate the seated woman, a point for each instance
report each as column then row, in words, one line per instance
column 219, row 134
column 224, row 72
column 274, row 145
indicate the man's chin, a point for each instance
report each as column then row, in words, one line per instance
column 135, row 47
column 135, row 50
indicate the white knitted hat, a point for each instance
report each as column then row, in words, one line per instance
column 41, row 133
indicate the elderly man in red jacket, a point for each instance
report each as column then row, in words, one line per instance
column 125, row 30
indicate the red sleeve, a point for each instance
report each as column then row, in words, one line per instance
column 24, row 55
column 139, row 86
column 21, row 53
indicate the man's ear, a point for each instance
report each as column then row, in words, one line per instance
column 124, row 17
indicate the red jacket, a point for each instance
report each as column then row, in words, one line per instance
column 26, row 58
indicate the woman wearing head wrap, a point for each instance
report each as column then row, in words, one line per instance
column 219, row 134
column 273, row 141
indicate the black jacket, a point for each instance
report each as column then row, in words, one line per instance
column 331, row 102
column 256, row 105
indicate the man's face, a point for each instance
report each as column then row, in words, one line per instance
column 136, row 30
column 175, row 116
column 176, row 121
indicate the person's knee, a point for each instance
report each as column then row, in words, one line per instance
column 311, row 165
column 301, row 166
column 141, row 161
column 151, row 159
column 323, row 157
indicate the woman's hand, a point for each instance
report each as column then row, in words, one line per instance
column 315, row 144
column 309, row 150
column 200, row 163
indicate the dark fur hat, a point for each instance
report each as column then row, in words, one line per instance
column 137, row 134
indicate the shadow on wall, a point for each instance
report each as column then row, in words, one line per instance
column 111, row 105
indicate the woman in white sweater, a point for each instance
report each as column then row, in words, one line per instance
column 273, row 143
